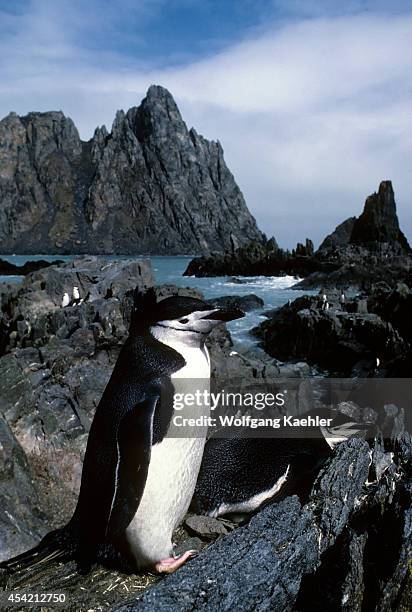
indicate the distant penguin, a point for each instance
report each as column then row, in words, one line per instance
column 238, row 475
column 377, row 366
column 75, row 296
column 65, row 300
column 137, row 482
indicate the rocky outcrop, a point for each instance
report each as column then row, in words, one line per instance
column 332, row 339
column 376, row 229
column 9, row 269
column 340, row 237
column 344, row 341
column 256, row 258
column 355, row 268
column 365, row 250
column 149, row 186
column 246, row 302
column 378, row 225
column 32, row 314
column 360, row 252
column 393, row 305
column 20, row 514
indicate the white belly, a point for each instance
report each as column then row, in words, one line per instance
column 173, row 470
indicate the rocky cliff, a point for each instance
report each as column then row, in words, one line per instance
column 149, row 186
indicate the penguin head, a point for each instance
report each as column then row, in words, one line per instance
column 178, row 317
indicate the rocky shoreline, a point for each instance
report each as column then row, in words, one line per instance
column 9, row 269
column 360, row 252
column 54, row 365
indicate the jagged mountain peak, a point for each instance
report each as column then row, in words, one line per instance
column 148, row 186
column 158, row 93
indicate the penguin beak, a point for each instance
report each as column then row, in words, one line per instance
column 224, row 314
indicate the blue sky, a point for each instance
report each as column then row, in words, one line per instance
column 311, row 100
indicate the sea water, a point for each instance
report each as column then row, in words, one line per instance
column 275, row 291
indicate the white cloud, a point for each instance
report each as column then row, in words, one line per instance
column 312, row 115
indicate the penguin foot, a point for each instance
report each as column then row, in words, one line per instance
column 170, row 565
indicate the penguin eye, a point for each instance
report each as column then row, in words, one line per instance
column 183, row 320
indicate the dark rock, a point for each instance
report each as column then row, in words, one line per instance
column 357, row 268
column 32, row 313
column 365, row 250
column 340, row 237
column 256, row 258
column 378, row 224
column 237, row 281
column 376, row 229
column 230, row 366
column 244, row 302
column 9, row 269
column 95, row 278
column 334, row 339
column 20, row 516
column 395, row 306
column 49, row 406
column 150, row 186
column 164, row 291
column 305, row 250
column 320, row 556
column 188, row 544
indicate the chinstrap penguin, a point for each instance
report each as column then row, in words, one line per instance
column 137, row 483
column 65, row 300
column 75, row 296
column 240, row 474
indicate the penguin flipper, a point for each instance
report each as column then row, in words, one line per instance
column 134, row 444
